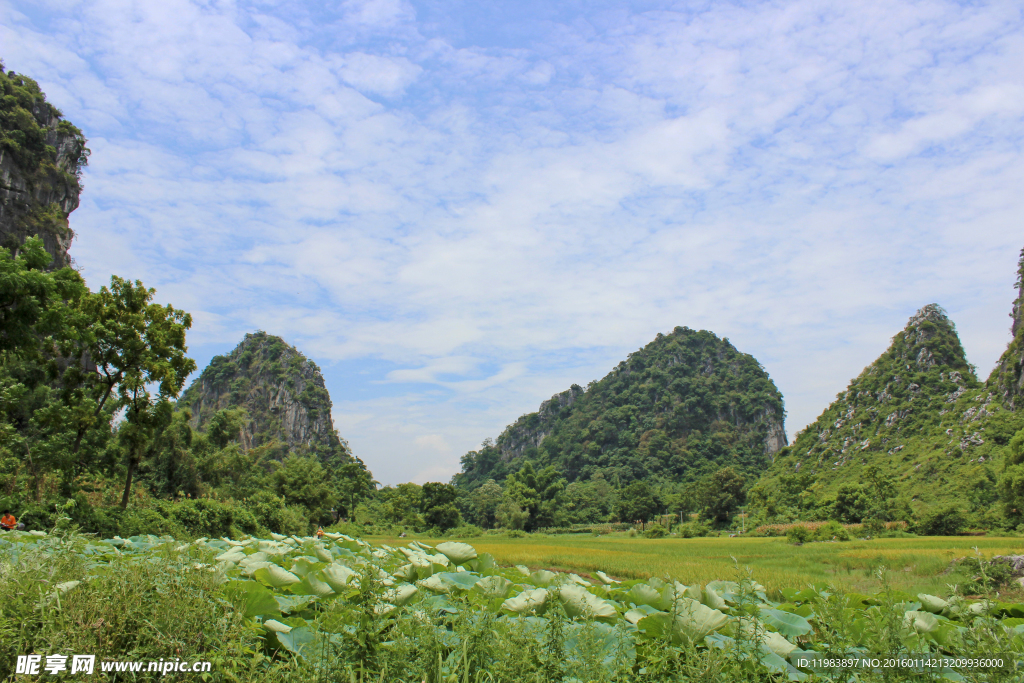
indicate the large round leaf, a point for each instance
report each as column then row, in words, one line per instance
column 493, row 587
column 693, row 621
column 527, row 601
column 401, row 594
column 642, row 594
column 922, row 622
column 542, row 578
column 788, row 624
column 458, row 553
column 275, row 576
column 337, row 576
column 932, row 604
column 578, row 601
column 251, row 598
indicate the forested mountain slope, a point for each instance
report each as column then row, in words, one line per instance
column 282, row 392
column 683, row 406
column 916, row 425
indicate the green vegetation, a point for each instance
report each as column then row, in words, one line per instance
column 87, row 388
column 682, row 407
column 915, row 437
column 660, row 434
column 296, row 608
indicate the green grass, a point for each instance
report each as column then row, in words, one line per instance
column 915, row 564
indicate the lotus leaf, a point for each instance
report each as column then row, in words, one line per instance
column 777, row 643
column 275, row 576
column 461, row 580
column 493, row 587
column 401, row 594
column 458, row 553
column 527, row 601
column 542, row 578
column 337, row 576
column 578, row 601
column 605, row 579
column 311, row 585
column 642, row 594
column 253, row 598
column 406, row 572
column 932, row 604
column 788, row 624
column 921, row 622
column 692, row 621
column 712, row 599
column 322, row 554
column 435, row 583
column 293, row 603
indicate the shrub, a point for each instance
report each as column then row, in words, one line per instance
column 141, row 521
column 799, row 534
column 516, row 533
column 654, row 531
column 948, row 520
column 831, row 531
column 693, row 530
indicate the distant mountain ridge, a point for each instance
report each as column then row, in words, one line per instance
column 685, row 404
column 282, row 391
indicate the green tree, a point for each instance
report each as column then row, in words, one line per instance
column 723, row 494
column 226, row 426
column 508, row 515
column 852, row 503
column 439, row 509
column 1011, row 483
column 303, row 481
column 638, row 502
column 136, row 344
column 484, row 503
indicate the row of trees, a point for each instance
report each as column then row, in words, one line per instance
column 533, row 498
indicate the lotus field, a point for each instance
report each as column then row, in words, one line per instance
column 339, row 608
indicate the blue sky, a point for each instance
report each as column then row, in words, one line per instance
column 460, row 208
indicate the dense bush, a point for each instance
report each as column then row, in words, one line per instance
column 654, row 531
column 799, row 534
column 693, row 530
column 948, row 520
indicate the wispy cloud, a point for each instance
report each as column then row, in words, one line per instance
column 478, row 207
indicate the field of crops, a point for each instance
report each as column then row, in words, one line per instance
column 916, row 564
column 339, row 608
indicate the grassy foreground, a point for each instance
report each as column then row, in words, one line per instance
column 915, row 564
column 289, row 610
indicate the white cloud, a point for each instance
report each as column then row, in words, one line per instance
column 495, row 222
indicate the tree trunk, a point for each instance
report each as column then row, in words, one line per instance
column 128, row 483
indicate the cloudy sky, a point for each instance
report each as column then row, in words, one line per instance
column 460, row 208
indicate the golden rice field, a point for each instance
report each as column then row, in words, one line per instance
column 914, row 564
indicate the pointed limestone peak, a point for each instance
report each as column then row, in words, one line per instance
column 1007, row 378
column 923, row 373
column 929, row 340
column 282, row 391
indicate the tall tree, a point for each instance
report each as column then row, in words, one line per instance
column 136, row 344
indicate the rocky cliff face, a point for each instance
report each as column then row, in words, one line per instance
column 41, row 156
column 1007, row 379
column 685, row 404
column 529, row 430
column 281, row 390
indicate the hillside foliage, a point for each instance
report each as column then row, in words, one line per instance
column 680, row 408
